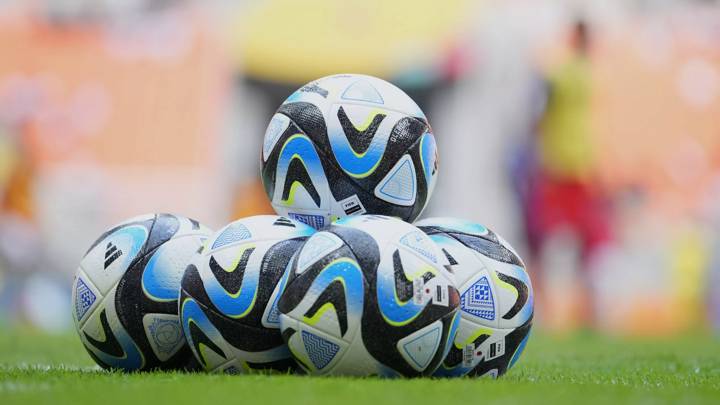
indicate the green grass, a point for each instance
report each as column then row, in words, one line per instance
column 581, row 369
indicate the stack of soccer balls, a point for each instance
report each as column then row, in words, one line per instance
column 341, row 283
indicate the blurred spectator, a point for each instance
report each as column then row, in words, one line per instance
column 565, row 205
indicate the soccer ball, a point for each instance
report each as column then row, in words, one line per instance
column 346, row 145
column 369, row 295
column 125, row 293
column 229, row 294
column 496, row 298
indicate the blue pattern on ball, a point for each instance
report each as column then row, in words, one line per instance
column 84, row 298
column 233, row 233
column 321, row 351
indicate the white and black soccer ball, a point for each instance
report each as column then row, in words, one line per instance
column 347, row 145
column 229, row 295
column 125, row 293
column 369, row 295
column 496, row 298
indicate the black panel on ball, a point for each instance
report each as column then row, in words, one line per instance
column 501, row 363
column 131, row 304
column 247, row 333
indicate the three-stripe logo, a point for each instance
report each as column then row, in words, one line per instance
column 111, row 254
column 282, row 221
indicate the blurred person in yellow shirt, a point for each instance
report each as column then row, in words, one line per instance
column 564, row 145
column 565, row 199
column 19, row 238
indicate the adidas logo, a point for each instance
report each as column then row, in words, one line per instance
column 282, row 221
column 111, row 254
column 314, row 88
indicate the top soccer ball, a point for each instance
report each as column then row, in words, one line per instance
column 346, row 145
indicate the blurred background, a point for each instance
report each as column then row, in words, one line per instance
column 587, row 133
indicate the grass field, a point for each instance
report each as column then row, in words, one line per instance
column 587, row 368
